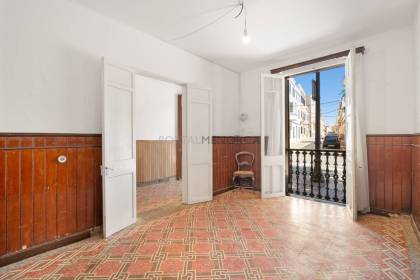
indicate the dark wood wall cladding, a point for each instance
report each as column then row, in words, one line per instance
column 42, row 200
column 224, row 164
column 415, row 155
column 390, row 172
column 156, row 160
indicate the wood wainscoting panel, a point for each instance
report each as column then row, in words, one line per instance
column 415, row 153
column 390, row 172
column 224, row 149
column 156, row 160
column 3, row 211
column 224, row 164
column 42, row 200
column 39, row 226
column 252, row 144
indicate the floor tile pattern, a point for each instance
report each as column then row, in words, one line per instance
column 237, row 236
column 158, row 199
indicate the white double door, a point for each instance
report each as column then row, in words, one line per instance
column 119, row 147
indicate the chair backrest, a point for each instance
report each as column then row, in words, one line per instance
column 245, row 160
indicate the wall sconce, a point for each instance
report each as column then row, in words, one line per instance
column 243, row 117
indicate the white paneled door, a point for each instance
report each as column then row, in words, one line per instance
column 350, row 136
column 272, row 136
column 119, row 154
column 198, row 145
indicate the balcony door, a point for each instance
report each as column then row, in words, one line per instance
column 350, row 136
column 272, row 136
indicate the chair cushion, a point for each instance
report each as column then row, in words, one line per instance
column 243, row 173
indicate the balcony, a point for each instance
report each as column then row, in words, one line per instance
column 317, row 174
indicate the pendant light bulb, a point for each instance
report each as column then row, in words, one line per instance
column 246, row 38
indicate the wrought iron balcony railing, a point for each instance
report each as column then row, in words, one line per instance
column 317, row 174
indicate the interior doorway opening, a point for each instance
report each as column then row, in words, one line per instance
column 158, row 135
column 119, row 162
column 316, row 134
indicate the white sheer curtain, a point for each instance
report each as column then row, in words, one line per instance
column 361, row 176
column 273, row 123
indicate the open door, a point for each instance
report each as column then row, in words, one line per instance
column 198, row 141
column 350, row 136
column 118, row 148
column 273, row 180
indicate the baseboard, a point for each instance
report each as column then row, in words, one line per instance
column 385, row 212
column 223, row 190
column 42, row 248
column 162, row 180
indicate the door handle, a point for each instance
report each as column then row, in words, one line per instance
column 105, row 170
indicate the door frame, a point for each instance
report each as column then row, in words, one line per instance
column 179, row 96
column 179, row 137
column 183, row 94
column 319, row 66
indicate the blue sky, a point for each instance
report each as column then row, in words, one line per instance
column 331, row 88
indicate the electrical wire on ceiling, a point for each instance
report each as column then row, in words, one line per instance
column 241, row 4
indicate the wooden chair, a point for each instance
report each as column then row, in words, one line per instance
column 245, row 163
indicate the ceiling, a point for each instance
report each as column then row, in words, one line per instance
column 276, row 27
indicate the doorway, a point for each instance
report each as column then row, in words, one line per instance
column 316, row 134
column 119, row 186
column 158, row 135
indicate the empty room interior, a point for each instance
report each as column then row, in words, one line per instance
column 158, row 128
column 209, row 139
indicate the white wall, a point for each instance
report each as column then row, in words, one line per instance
column 50, row 69
column 417, row 72
column 389, row 87
column 156, row 105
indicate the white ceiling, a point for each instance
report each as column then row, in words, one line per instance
column 275, row 26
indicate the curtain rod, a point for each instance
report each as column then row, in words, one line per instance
column 360, row 50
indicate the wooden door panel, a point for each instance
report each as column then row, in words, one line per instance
column 416, row 180
column 406, row 174
column 26, row 198
column 82, row 165
column 39, row 159
column 389, row 158
column 39, row 196
column 61, row 196
column 51, row 193
column 90, row 183
column 13, row 200
column 3, row 245
column 98, row 186
column 390, row 172
column 396, row 173
column 71, row 198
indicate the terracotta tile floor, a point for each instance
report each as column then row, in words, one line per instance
column 239, row 236
column 158, row 200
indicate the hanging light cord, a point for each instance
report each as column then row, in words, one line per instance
column 242, row 9
column 213, row 22
column 245, row 14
